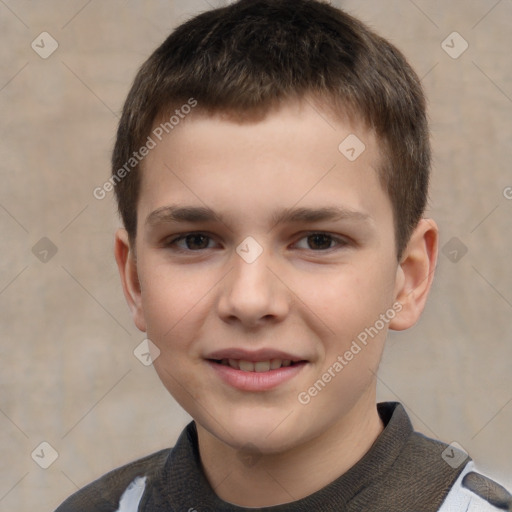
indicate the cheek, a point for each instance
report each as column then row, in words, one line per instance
column 166, row 326
column 175, row 306
column 170, row 297
column 348, row 300
column 349, row 303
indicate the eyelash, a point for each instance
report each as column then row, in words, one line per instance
column 341, row 242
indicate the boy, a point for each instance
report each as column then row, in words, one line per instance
column 271, row 170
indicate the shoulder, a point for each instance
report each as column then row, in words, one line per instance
column 465, row 488
column 471, row 490
column 104, row 494
column 475, row 492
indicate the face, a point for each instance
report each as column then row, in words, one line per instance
column 263, row 254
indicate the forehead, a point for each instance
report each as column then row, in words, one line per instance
column 295, row 154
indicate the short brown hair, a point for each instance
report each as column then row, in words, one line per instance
column 246, row 58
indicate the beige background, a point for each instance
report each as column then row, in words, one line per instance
column 68, row 373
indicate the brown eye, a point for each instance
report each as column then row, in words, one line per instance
column 196, row 241
column 190, row 242
column 319, row 242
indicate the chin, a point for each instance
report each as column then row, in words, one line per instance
column 259, row 443
column 267, row 431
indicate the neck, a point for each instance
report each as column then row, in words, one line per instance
column 280, row 478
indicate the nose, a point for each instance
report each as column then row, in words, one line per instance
column 252, row 294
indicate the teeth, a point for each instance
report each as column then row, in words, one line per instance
column 246, row 366
column 275, row 364
column 262, row 366
column 259, row 366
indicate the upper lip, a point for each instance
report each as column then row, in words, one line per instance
column 264, row 354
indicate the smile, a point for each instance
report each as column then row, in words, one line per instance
column 255, row 375
column 255, row 366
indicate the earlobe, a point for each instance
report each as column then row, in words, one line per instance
column 415, row 274
column 127, row 265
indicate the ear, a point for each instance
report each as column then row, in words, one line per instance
column 415, row 274
column 127, row 265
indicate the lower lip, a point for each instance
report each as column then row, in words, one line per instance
column 256, row 381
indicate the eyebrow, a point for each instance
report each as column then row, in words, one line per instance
column 197, row 214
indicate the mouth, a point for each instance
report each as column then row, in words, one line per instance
column 257, row 375
column 256, row 366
